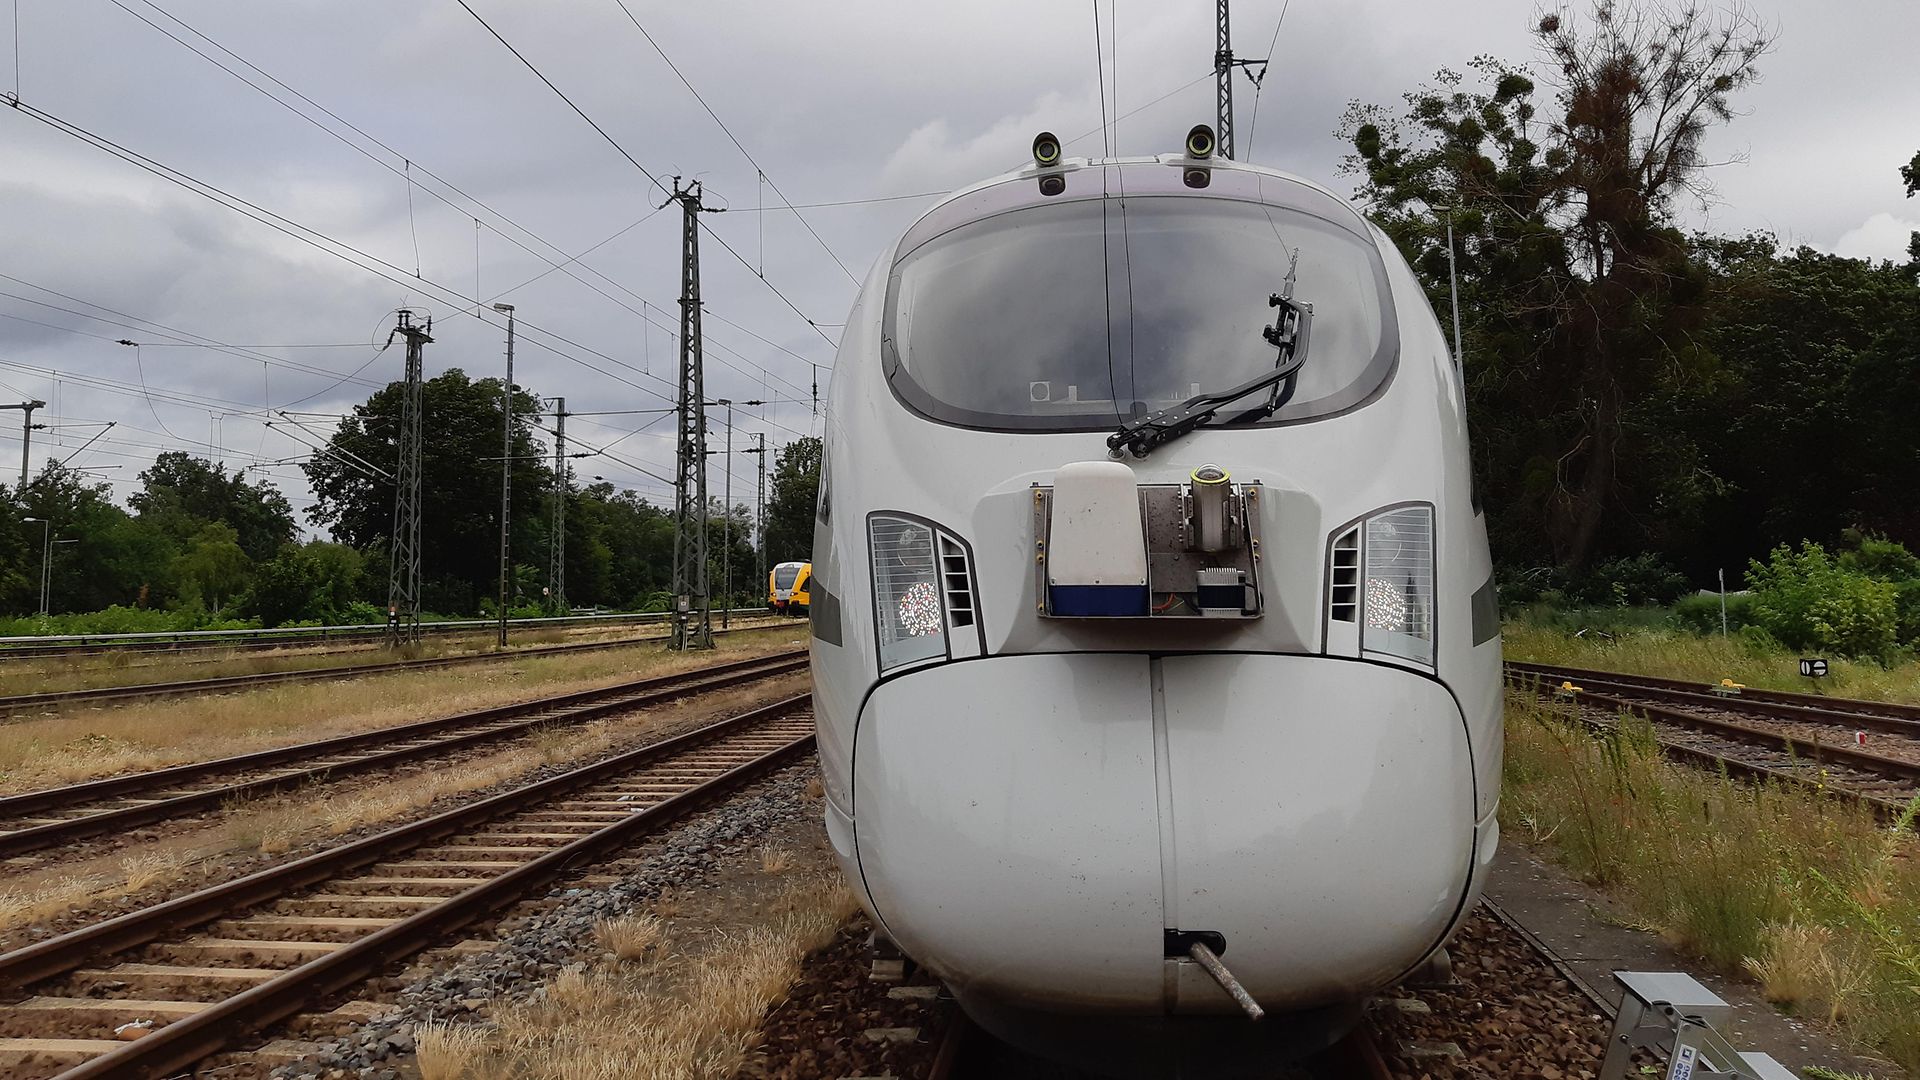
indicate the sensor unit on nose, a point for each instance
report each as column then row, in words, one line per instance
column 1201, row 145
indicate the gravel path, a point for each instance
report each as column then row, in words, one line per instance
column 535, row 947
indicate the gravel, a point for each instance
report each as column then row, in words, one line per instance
column 531, row 949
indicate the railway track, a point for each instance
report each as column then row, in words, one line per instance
column 39, row 702
column 42, row 819
column 1795, row 739
column 236, row 641
column 213, row 968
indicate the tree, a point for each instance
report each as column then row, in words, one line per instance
column 181, row 493
column 213, row 569
column 460, row 483
column 285, row 588
column 112, row 558
column 790, row 510
column 1581, row 289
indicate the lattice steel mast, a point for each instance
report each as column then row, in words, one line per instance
column 557, row 559
column 692, row 620
column 1223, row 83
column 403, row 572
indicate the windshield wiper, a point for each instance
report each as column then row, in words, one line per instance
column 1288, row 334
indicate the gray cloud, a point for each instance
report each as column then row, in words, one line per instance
column 836, row 102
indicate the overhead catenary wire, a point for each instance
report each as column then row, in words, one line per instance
column 322, row 242
column 736, row 141
column 1253, row 123
column 644, row 171
column 408, row 168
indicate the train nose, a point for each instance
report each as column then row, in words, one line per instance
column 1030, row 827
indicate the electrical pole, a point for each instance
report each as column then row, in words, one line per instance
column 760, row 511
column 726, row 552
column 506, row 476
column 692, row 620
column 1223, row 80
column 403, row 573
column 26, row 434
column 557, row 568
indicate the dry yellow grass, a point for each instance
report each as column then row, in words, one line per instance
column 1682, row 654
column 282, row 823
column 775, row 860
column 1815, row 897
column 446, row 1051
column 123, row 669
column 688, row 1016
column 52, row 750
column 630, row 937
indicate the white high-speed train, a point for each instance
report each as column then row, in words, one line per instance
column 1152, row 609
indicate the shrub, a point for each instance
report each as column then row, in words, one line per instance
column 1808, row 601
column 1636, row 579
column 1906, row 612
column 1700, row 612
column 1880, row 558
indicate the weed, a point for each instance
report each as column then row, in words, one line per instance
column 629, row 937
column 1810, row 894
column 775, row 860
column 447, row 1051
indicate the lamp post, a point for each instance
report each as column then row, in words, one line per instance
column 506, row 474
column 46, row 556
column 46, row 577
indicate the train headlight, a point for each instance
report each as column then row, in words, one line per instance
column 909, row 611
column 1399, row 589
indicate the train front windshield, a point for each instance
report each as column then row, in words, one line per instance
column 1075, row 315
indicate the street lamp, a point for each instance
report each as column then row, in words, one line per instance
column 46, row 576
column 506, row 473
column 46, row 556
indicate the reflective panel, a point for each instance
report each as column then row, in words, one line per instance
column 1399, row 589
column 907, row 605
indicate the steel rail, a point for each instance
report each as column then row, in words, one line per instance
column 1885, row 808
column 1854, row 706
column 43, row 645
column 1626, row 686
column 1772, row 740
column 56, row 698
column 181, row 1044
column 71, row 950
column 579, row 706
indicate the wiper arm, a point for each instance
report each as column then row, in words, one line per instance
column 1288, row 334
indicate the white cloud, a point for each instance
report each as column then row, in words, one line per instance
column 1881, row 236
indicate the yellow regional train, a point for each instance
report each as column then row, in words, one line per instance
column 787, row 588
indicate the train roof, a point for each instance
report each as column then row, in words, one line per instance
column 1161, row 175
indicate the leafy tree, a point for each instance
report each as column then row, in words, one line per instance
column 1581, row 289
column 181, row 493
column 285, row 588
column 460, row 488
column 790, row 509
column 213, row 569
column 317, row 580
column 112, row 558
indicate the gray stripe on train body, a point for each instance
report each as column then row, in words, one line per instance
column 825, row 615
column 1486, row 612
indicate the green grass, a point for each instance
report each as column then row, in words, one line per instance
column 1812, row 896
column 1682, row 654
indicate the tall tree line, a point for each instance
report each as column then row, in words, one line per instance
column 210, row 544
column 1633, row 387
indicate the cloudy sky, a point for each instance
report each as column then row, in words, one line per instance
column 829, row 103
